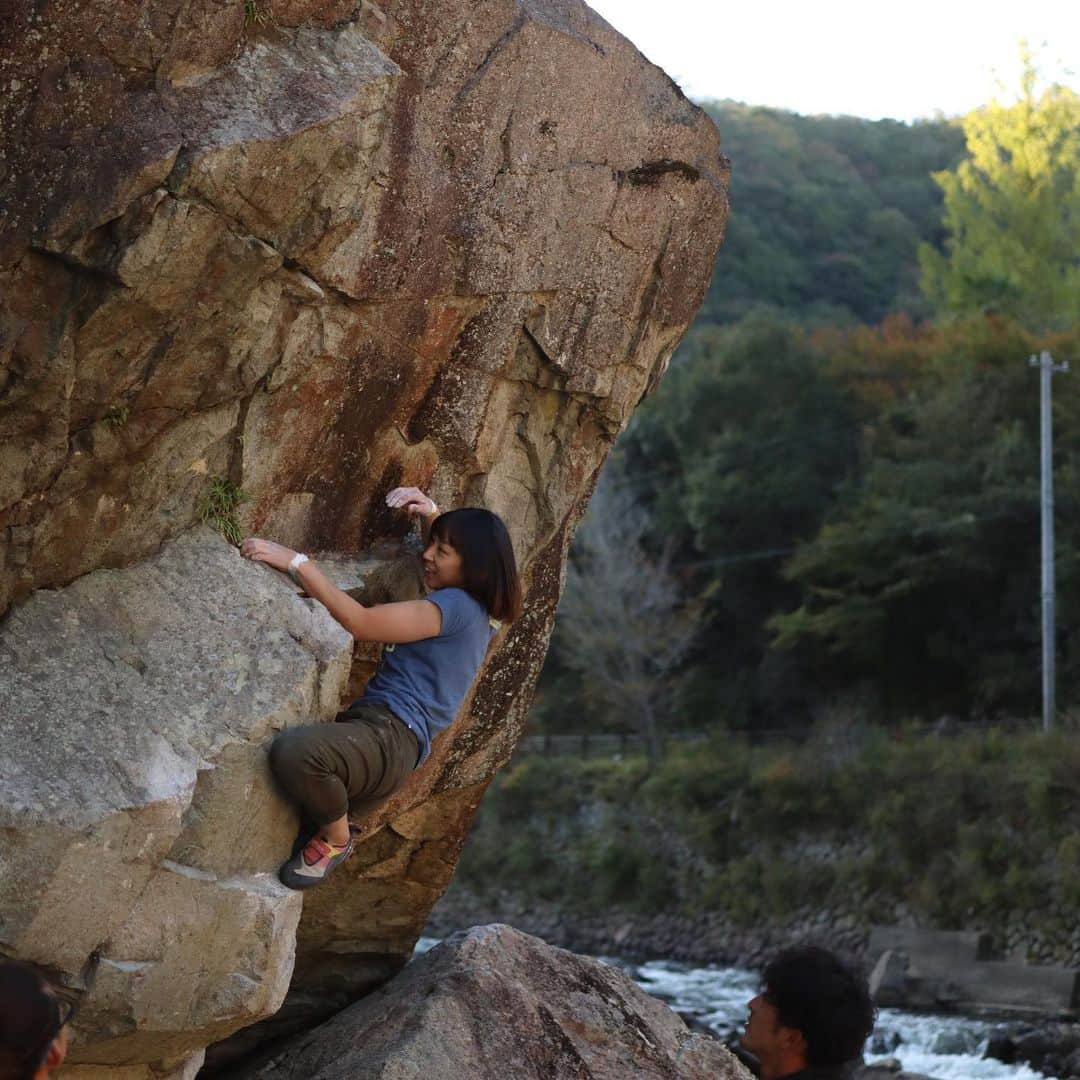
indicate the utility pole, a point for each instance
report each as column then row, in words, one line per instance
column 1045, row 363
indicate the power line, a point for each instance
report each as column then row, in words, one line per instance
column 748, row 449
column 773, row 553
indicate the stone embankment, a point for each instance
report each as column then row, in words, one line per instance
column 708, row 938
column 926, row 969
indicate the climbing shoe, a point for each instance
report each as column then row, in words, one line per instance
column 313, row 862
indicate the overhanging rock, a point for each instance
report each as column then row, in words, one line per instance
column 309, row 249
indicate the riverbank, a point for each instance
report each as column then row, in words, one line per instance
column 722, row 848
column 723, row 853
column 704, row 938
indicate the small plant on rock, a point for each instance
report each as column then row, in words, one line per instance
column 217, row 508
column 253, row 13
column 116, row 416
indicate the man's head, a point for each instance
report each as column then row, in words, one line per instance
column 33, row 1036
column 813, row 1010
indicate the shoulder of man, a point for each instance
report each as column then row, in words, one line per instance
column 846, row 1071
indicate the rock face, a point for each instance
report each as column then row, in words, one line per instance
column 493, row 1003
column 140, row 825
column 325, row 249
column 308, row 249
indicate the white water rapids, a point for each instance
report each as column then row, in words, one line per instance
column 946, row 1047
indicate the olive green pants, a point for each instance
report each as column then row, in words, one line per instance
column 348, row 767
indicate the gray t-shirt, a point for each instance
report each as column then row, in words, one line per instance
column 423, row 683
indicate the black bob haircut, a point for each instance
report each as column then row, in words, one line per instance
column 31, row 1017
column 487, row 558
column 816, row 993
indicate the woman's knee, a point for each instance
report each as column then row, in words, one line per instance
column 301, row 762
column 289, row 753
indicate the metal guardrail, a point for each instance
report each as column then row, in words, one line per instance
column 605, row 744
column 596, row 744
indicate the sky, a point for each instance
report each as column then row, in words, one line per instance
column 907, row 60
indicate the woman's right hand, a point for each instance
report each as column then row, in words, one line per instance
column 413, row 501
column 276, row 555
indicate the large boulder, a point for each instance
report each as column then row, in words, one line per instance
column 493, row 1003
column 303, row 250
column 325, row 247
column 140, row 827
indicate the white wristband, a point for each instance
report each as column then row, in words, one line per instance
column 295, row 563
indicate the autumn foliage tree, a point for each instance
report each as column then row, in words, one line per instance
column 854, row 508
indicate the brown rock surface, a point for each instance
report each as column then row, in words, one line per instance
column 318, row 248
column 450, row 243
column 493, row 1003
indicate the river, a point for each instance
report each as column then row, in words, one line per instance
column 944, row 1046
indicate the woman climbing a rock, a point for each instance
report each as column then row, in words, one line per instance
column 434, row 648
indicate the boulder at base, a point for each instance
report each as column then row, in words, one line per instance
column 493, row 1002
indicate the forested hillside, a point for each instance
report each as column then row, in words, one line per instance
column 827, row 214
column 834, row 494
column 826, row 519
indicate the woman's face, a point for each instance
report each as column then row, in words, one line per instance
column 442, row 566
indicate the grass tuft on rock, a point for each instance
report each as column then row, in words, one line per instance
column 217, row 508
column 116, row 416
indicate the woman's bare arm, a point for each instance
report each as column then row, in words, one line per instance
column 408, row 620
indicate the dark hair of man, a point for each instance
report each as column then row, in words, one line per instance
column 30, row 1018
column 487, row 558
column 816, row 993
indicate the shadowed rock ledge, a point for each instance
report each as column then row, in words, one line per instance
column 309, row 249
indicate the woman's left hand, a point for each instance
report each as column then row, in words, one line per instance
column 276, row 555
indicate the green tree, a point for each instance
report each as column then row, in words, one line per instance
column 924, row 581
column 827, row 213
column 1012, row 212
column 740, row 454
